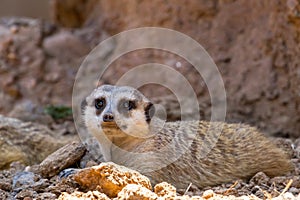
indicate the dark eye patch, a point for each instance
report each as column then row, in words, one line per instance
column 129, row 105
column 126, row 105
column 100, row 104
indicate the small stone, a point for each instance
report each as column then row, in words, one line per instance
column 165, row 190
column 294, row 190
column 25, row 193
column 260, row 178
column 133, row 191
column 288, row 195
column 47, row 195
column 14, row 29
column 285, row 196
column 5, row 184
column 91, row 195
column 3, row 194
column 184, row 197
column 24, row 179
column 196, row 198
column 208, row 194
column 25, row 142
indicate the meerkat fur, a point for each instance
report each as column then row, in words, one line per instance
column 183, row 152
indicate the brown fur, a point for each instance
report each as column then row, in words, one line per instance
column 198, row 152
column 239, row 153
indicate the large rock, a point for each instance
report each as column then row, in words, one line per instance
column 63, row 158
column 26, row 142
column 110, row 178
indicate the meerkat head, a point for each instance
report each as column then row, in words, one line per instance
column 115, row 109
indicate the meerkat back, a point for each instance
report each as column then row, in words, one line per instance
column 237, row 152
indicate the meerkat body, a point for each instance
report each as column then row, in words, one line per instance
column 184, row 152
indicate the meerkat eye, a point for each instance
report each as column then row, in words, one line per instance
column 99, row 103
column 129, row 105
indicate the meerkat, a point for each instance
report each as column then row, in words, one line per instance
column 199, row 152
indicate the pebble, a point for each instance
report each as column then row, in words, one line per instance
column 23, row 179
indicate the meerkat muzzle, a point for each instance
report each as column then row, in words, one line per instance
column 108, row 117
column 109, row 125
column 109, row 121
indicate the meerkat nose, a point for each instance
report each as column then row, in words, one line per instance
column 108, row 117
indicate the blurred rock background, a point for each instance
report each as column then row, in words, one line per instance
column 255, row 44
column 25, row 8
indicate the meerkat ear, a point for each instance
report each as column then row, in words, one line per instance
column 149, row 111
